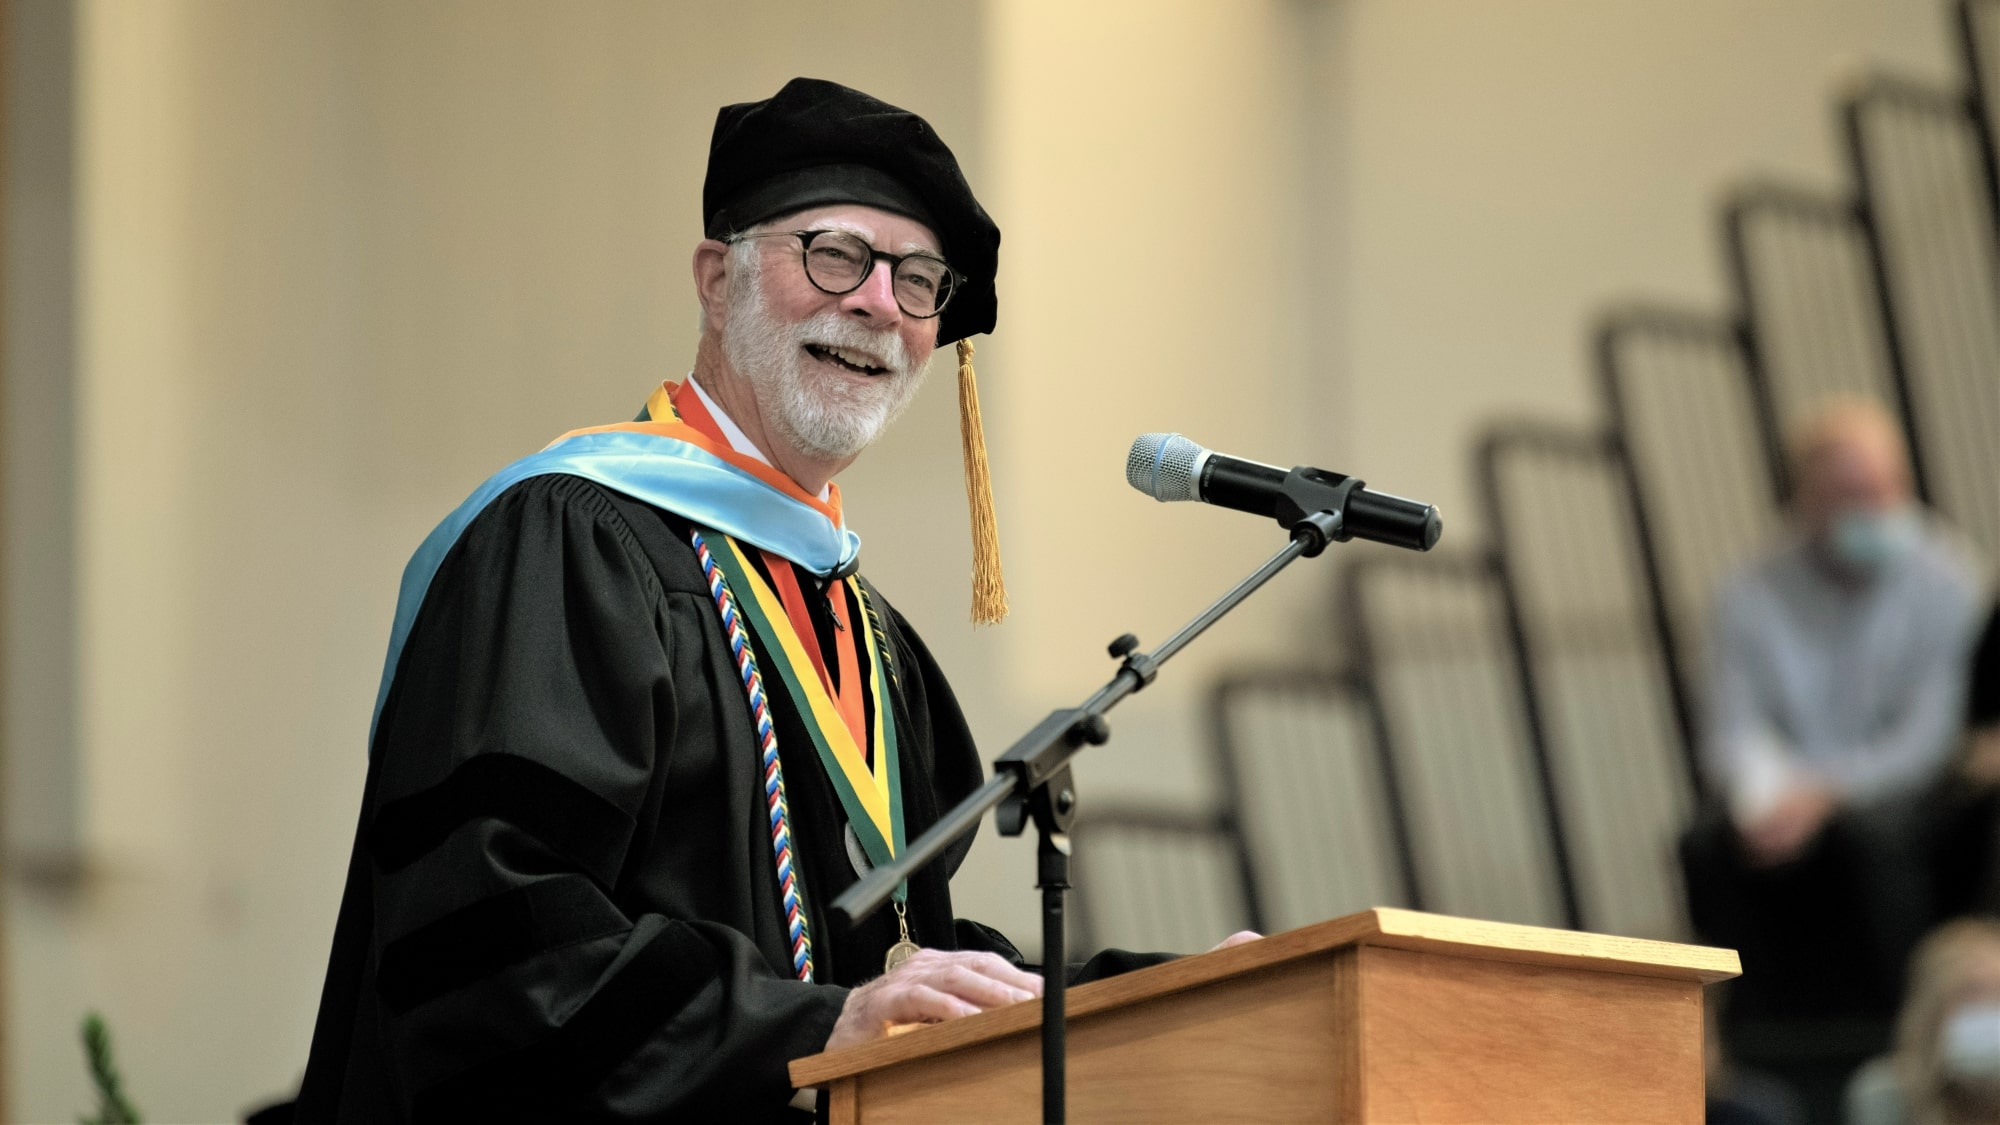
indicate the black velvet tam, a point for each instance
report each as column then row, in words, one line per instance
column 817, row 143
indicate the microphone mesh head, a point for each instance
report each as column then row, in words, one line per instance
column 1163, row 466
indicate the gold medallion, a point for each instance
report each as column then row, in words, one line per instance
column 904, row 949
column 898, row 953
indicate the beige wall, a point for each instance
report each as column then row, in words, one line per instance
column 1150, row 252
column 339, row 261
column 1512, row 169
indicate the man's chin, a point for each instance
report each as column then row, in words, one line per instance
column 828, row 447
column 833, row 412
column 834, row 434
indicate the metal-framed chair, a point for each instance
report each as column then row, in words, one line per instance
column 1580, row 613
column 1919, row 157
column 1313, row 792
column 1431, row 637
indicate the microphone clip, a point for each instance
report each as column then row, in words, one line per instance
column 1313, row 504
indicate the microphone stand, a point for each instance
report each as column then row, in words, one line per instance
column 1031, row 781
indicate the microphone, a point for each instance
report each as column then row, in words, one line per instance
column 1170, row 467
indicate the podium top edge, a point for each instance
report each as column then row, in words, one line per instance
column 1382, row 927
column 1511, row 941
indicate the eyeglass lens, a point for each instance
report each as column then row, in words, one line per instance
column 838, row 262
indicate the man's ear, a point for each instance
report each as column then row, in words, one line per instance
column 711, row 280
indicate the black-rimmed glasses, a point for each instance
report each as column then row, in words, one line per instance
column 837, row 262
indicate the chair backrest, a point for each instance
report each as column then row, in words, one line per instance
column 1978, row 34
column 1155, row 879
column 1579, row 608
column 1806, row 279
column 1311, row 787
column 1430, row 635
column 1702, row 478
column 1917, row 153
column 1978, row 28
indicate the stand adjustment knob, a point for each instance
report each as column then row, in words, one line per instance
column 1123, row 646
column 1093, row 730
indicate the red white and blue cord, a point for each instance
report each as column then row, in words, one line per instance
column 767, row 742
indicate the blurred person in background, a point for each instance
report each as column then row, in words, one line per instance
column 1945, row 1068
column 642, row 721
column 1835, row 707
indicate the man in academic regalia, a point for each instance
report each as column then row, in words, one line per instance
column 642, row 719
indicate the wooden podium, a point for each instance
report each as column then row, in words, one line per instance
column 1383, row 1016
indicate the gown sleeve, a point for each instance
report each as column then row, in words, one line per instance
column 532, row 719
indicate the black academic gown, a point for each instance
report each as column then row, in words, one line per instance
column 562, row 903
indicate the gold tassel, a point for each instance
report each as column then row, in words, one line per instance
column 989, row 591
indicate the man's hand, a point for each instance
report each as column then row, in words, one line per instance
column 1238, row 938
column 1982, row 761
column 932, row 986
column 1781, row 835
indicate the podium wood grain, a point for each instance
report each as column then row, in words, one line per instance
column 1383, row 1016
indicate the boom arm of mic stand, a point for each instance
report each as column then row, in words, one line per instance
column 1045, row 751
column 1016, row 773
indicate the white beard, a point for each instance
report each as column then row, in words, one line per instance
column 819, row 412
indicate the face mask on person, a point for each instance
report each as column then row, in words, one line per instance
column 1969, row 1045
column 1870, row 541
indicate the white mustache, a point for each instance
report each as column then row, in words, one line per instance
column 832, row 330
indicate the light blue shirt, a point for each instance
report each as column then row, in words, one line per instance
column 1859, row 687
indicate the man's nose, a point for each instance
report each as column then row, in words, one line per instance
column 875, row 298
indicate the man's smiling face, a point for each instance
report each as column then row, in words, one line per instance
column 830, row 370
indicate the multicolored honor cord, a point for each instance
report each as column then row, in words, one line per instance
column 767, row 743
